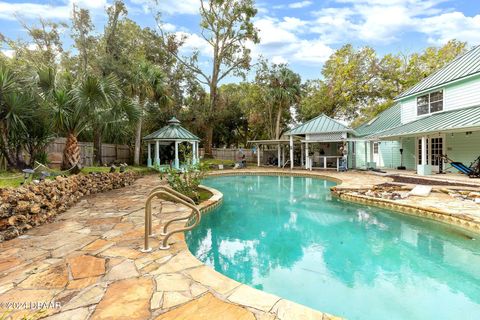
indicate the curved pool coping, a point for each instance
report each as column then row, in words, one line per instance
column 250, row 297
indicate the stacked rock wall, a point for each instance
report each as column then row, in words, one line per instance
column 33, row 204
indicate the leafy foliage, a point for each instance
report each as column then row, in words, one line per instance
column 187, row 181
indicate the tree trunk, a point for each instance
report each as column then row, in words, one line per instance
column 138, row 142
column 97, row 148
column 71, row 152
column 10, row 154
column 208, row 142
column 277, row 124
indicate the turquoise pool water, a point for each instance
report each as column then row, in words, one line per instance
column 289, row 237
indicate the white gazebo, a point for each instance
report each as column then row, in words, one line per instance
column 171, row 133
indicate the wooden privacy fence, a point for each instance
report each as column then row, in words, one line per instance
column 110, row 152
column 231, row 154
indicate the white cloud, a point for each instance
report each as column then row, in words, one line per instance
column 171, row 6
column 386, row 21
column 300, row 4
column 452, row 25
column 278, row 60
column 271, row 31
column 280, row 41
column 8, row 52
column 193, row 42
column 312, row 51
column 169, row 27
column 30, row 10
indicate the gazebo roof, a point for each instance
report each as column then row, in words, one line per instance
column 171, row 132
column 320, row 124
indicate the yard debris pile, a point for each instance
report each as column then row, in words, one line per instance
column 33, row 204
column 464, row 194
column 388, row 192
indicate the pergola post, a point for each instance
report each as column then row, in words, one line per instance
column 283, row 155
column 279, row 156
column 157, row 153
column 258, row 155
column 149, row 159
column 177, row 161
column 302, row 160
column 291, row 152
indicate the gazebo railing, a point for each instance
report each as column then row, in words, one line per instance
column 167, row 193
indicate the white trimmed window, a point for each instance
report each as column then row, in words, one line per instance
column 430, row 102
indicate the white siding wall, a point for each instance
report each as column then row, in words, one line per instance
column 409, row 110
column 462, row 95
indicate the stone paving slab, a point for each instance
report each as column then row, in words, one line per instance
column 89, row 262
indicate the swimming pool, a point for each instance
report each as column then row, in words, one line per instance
column 288, row 236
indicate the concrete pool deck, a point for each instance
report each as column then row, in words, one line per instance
column 88, row 263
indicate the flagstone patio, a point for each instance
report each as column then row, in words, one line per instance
column 88, row 262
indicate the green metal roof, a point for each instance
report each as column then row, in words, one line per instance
column 388, row 119
column 172, row 131
column 467, row 118
column 463, row 66
column 320, row 124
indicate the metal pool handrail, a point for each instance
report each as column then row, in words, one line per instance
column 148, row 218
column 175, row 193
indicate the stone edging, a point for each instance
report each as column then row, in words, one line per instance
column 247, row 296
column 463, row 221
column 250, row 297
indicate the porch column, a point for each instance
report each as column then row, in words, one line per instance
column 258, row 155
column 308, row 165
column 177, row 162
column 302, row 162
column 371, row 151
column 291, row 152
column 283, row 155
column 149, row 159
column 279, row 155
column 366, row 152
column 424, row 151
column 324, row 162
column 157, row 153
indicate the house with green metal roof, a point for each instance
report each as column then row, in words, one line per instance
column 438, row 116
column 166, row 141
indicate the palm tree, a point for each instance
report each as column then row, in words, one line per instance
column 14, row 108
column 285, row 91
column 96, row 97
column 90, row 102
column 148, row 85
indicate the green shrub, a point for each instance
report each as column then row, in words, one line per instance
column 186, row 181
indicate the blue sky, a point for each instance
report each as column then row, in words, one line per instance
column 301, row 33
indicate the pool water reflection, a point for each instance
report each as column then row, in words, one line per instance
column 289, row 237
